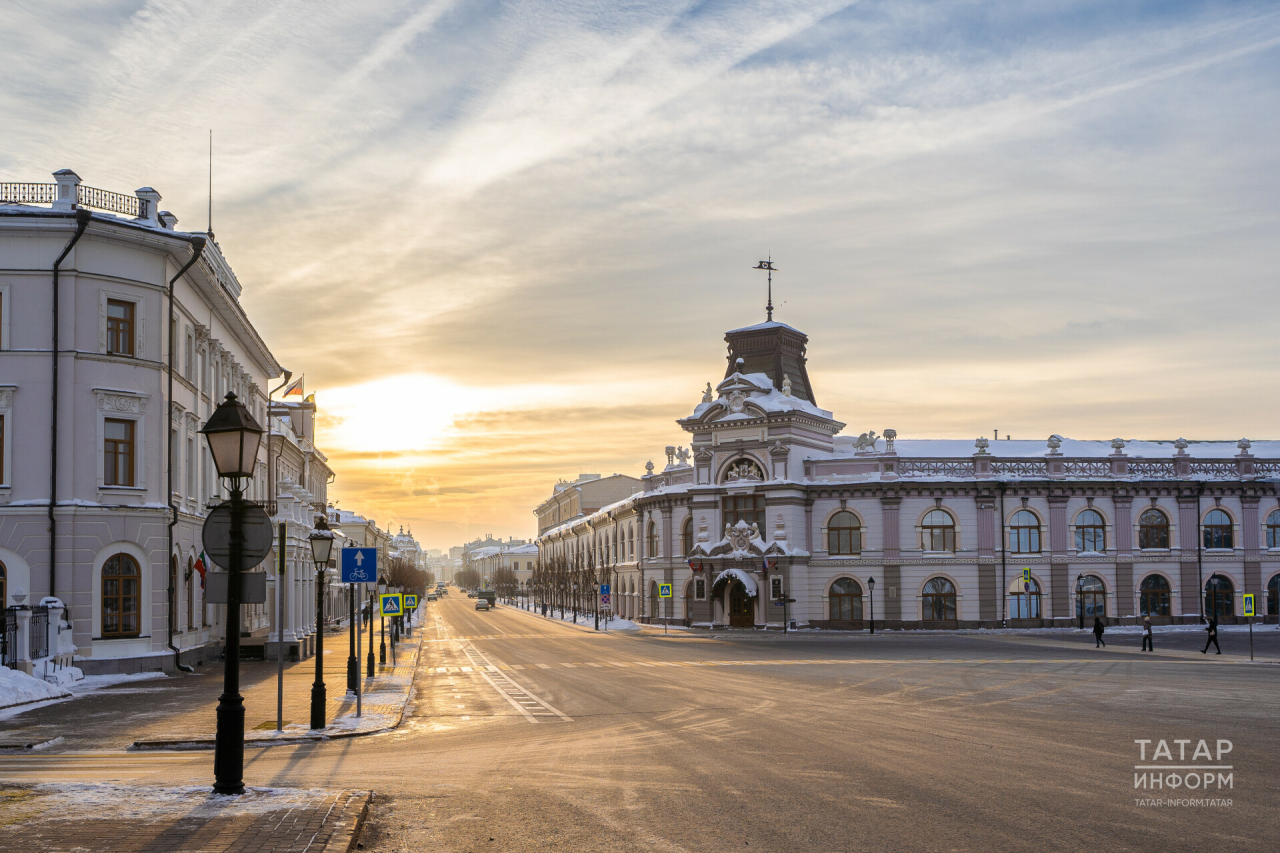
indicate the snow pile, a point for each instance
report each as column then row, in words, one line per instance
column 18, row 688
column 127, row 802
column 588, row 619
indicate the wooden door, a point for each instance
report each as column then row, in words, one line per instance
column 741, row 611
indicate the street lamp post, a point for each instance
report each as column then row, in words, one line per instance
column 233, row 436
column 596, row 587
column 1080, row 599
column 871, row 585
column 382, row 623
column 369, row 662
column 353, row 662
column 321, row 546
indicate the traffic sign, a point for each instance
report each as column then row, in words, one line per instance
column 1248, row 604
column 605, row 589
column 1026, row 576
column 410, row 602
column 604, row 599
column 392, row 604
column 664, row 590
column 255, row 526
column 359, row 565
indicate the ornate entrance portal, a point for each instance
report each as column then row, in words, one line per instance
column 741, row 611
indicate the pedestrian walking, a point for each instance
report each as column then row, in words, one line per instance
column 1213, row 638
column 1148, row 642
column 1097, row 633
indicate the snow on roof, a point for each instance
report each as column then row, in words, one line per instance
column 1136, row 449
column 768, row 398
column 760, row 327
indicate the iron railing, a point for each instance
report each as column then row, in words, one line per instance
column 1086, row 467
column 19, row 193
column 39, row 632
column 26, row 193
column 1216, row 468
column 9, row 639
column 1020, row 467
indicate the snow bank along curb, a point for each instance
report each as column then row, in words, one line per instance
column 18, row 688
column 588, row 625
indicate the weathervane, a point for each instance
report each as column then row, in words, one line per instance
column 768, row 265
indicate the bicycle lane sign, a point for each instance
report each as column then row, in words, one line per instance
column 359, row 565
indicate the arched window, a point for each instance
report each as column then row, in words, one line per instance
column 121, row 583
column 844, row 535
column 1153, row 530
column 1153, row 596
column 631, row 543
column 191, row 594
column 686, row 536
column 938, row 600
column 1091, row 531
column 1091, row 596
column 1217, row 529
column 1219, row 597
column 4, row 587
column 1024, row 532
column 938, row 531
column 1273, row 596
column 1024, row 603
column 652, row 546
column 846, row 601
column 1273, row 529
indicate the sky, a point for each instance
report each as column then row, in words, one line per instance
column 503, row 240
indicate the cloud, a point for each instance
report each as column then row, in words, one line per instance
column 503, row 239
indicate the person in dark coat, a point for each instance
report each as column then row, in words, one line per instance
column 1097, row 633
column 1148, row 642
column 1213, row 638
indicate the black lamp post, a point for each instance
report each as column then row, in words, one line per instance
column 382, row 623
column 596, row 587
column 871, row 585
column 353, row 664
column 1214, row 584
column 369, row 660
column 321, row 545
column 1080, row 599
column 233, row 437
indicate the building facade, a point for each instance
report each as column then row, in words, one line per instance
column 118, row 336
column 773, row 515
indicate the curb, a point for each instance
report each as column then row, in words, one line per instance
column 345, row 842
column 551, row 621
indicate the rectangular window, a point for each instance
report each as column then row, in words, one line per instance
column 117, row 467
column 748, row 508
column 2, row 479
column 175, row 457
column 192, row 491
column 120, row 327
column 190, row 357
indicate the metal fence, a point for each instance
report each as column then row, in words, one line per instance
column 9, row 639
column 39, row 632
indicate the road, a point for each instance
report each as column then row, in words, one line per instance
column 526, row 734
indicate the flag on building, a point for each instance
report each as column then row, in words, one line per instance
column 202, row 566
column 295, row 387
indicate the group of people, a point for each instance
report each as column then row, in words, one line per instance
column 1148, row 640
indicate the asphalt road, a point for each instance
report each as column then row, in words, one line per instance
column 525, row 734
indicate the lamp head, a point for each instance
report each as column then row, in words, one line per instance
column 321, row 542
column 871, row 582
column 233, row 437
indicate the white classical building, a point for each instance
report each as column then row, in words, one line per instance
column 772, row 514
column 118, row 337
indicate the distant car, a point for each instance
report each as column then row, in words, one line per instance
column 431, row 596
column 482, row 604
column 471, row 595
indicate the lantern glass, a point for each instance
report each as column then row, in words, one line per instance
column 234, row 437
column 321, row 547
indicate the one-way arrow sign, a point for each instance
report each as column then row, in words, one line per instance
column 354, row 568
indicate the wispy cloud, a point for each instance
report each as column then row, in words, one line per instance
column 1053, row 217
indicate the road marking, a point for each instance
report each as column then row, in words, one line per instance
column 521, row 699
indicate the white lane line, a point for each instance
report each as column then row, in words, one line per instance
column 518, row 686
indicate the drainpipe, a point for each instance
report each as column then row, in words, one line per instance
column 197, row 247
column 82, row 221
column 1004, row 581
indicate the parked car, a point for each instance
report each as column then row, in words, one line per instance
column 482, row 604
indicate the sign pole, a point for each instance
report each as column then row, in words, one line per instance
column 359, row 640
column 280, row 633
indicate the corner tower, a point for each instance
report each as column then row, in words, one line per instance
column 774, row 349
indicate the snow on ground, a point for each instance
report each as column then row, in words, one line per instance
column 96, row 682
column 126, row 802
column 586, row 619
column 18, row 688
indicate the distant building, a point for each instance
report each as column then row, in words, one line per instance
column 773, row 513
column 583, row 496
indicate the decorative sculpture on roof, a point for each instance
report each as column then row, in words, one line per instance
column 739, row 537
column 703, row 534
column 890, row 435
column 780, row 530
column 982, row 444
column 1244, row 444
column 1182, row 444
column 865, row 442
column 671, row 456
column 706, row 395
column 1118, row 445
column 1055, row 442
column 737, row 401
column 786, row 385
column 682, row 457
column 744, row 469
column 648, row 467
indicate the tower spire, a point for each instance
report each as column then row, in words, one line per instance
column 768, row 265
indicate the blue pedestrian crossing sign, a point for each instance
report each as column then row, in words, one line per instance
column 1248, row 604
column 1026, row 576
column 664, row 590
column 359, row 565
column 605, row 589
column 392, row 604
column 410, row 602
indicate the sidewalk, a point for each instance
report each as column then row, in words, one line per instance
column 132, row 819
column 383, row 703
